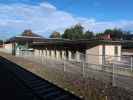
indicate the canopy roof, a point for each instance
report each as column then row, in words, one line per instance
column 71, row 44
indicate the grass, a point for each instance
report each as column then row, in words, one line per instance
column 89, row 88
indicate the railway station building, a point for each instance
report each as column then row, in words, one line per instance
column 90, row 51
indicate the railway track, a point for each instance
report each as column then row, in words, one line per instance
column 42, row 89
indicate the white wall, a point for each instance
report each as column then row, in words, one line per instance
column 94, row 55
column 110, row 51
column 7, row 48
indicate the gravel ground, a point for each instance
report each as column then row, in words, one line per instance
column 89, row 89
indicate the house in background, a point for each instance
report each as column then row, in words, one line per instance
column 104, row 37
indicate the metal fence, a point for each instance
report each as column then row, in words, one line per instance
column 116, row 72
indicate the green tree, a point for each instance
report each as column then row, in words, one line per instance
column 55, row 35
column 27, row 32
column 108, row 31
column 73, row 33
column 67, row 34
column 88, row 35
column 1, row 42
column 116, row 34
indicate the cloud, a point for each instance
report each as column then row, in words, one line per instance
column 46, row 18
column 43, row 18
column 100, row 26
column 48, row 6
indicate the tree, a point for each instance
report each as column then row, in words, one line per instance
column 55, row 35
column 1, row 42
column 73, row 33
column 116, row 34
column 27, row 32
column 67, row 34
column 88, row 35
column 108, row 31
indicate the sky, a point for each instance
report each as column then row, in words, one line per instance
column 46, row 16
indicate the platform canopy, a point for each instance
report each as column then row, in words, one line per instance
column 71, row 44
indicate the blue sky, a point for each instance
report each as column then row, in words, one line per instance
column 46, row 16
